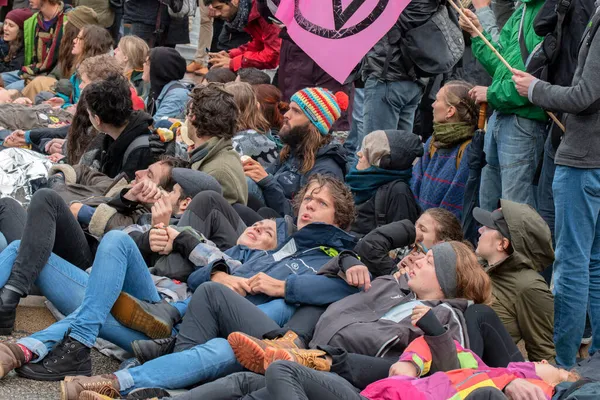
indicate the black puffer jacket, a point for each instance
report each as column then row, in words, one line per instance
column 15, row 63
column 415, row 14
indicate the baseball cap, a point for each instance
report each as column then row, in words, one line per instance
column 493, row 220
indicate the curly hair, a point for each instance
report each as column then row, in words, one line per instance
column 100, row 67
column 110, row 100
column 250, row 115
column 457, row 95
column 343, row 201
column 213, row 112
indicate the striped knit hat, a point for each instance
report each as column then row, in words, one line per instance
column 321, row 106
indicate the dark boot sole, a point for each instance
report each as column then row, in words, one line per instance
column 52, row 377
column 248, row 353
column 145, row 393
column 128, row 311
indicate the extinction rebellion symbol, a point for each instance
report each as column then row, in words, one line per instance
column 341, row 17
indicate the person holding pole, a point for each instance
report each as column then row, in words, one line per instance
column 517, row 129
column 576, row 190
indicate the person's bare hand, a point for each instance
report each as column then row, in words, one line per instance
column 359, row 277
column 417, row 313
column 71, row 109
column 403, row 368
column 520, row 389
column 263, row 283
column 55, row 102
column 25, row 101
column 235, row 283
column 144, row 191
column 465, row 26
column 254, row 170
column 54, row 146
column 161, row 211
column 219, row 60
column 479, row 94
column 15, row 139
column 159, row 238
column 56, row 157
column 172, row 234
column 522, row 81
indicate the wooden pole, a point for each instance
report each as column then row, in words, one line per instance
column 482, row 115
column 502, row 59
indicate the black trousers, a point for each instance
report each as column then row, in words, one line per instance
column 49, row 228
column 210, row 214
column 12, row 219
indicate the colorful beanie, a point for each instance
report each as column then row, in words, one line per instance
column 321, row 106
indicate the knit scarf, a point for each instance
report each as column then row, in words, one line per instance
column 364, row 183
column 241, row 18
column 450, row 134
column 46, row 46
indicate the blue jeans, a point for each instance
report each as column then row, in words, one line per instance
column 356, row 135
column 513, row 148
column 390, row 105
column 577, row 264
column 545, row 197
column 88, row 299
column 12, row 80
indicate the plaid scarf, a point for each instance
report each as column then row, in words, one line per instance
column 46, row 47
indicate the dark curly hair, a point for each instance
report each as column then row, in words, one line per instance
column 110, row 100
column 213, row 111
column 343, row 201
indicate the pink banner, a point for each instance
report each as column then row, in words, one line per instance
column 338, row 33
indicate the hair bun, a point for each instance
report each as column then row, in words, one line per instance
column 342, row 100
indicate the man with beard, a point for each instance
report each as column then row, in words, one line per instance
column 261, row 52
column 307, row 148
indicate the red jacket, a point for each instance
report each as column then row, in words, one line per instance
column 262, row 51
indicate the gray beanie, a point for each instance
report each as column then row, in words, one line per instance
column 193, row 182
column 444, row 258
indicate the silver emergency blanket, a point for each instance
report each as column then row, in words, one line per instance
column 18, row 167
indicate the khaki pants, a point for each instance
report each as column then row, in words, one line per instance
column 205, row 36
column 37, row 85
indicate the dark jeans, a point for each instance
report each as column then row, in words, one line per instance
column 216, row 311
column 12, row 219
column 302, row 323
column 50, row 228
column 210, row 214
column 247, row 214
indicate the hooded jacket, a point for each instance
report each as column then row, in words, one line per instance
column 502, row 94
column 285, row 179
column 355, row 323
column 303, row 253
column 262, row 51
column 168, row 97
column 522, row 298
column 218, row 159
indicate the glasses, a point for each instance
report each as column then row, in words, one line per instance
column 78, row 38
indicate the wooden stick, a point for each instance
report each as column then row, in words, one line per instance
column 482, row 115
column 502, row 59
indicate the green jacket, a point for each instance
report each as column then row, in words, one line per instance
column 502, row 95
column 29, row 36
column 218, row 159
column 522, row 298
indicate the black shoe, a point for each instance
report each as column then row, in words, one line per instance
column 148, row 393
column 156, row 320
column 146, row 350
column 9, row 300
column 68, row 358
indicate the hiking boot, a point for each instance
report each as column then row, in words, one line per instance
column 106, row 385
column 156, row 320
column 193, row 67
column 201, row 72
column 11, row 357
column 250, row 351
column 146, row 350
column 9, row 300
column 314, row 359
column 148, row 393
column 68, row 357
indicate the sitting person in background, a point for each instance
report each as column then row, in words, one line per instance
column 42, row 34
column 12, row 55
column 273, row 109
column 163, row 69
column 307, row 149
column 219, row 75
column 381, row 178
column 439, row 177
column 252, row 136
column 516, row 244
column 212, row 121
column 132, row 52
column 253, row 76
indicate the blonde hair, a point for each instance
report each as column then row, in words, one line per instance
column 135, row 49
column 250, row 115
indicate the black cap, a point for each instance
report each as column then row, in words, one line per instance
column 493, row 220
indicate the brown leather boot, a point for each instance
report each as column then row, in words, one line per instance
column 314, row 359
column 193, row 67
column 11, row 357
column 106, row 385
column 250, row 351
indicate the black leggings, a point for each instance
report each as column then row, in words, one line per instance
column 50, row 227
column 12, row 219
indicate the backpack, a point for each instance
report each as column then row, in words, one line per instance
column 435, row 47
column 583, row 389
column 188, row 9
column 381, row 200
column 459, row 155
column 137, row 143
